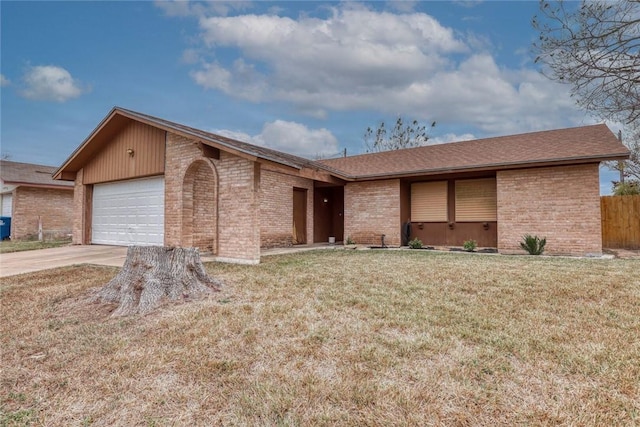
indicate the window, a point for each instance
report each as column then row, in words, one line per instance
column 429, row 201
column 476, row 200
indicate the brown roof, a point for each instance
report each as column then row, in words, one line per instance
column 119, row 117
column 28, row 174
column 584, row 144
column 565, row 146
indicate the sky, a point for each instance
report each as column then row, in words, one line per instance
column 303, row 77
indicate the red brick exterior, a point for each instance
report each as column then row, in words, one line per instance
column 371, row 209
column 235, row 215
column 276, row 208
column 559, row 203
column 79, row 210
column 51, row 206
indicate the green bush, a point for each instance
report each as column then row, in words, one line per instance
column 470, row 245
column 415, row 244
column 350, row 241
column 631, row 188
column 532, row 244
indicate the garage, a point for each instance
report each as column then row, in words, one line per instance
column 128, row 212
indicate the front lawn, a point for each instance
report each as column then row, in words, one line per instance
column 7, row 246
column 334, row 338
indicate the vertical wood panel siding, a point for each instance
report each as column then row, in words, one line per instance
column 476, row 200
column 620, row 222
column 429, row 201
column 114, row 163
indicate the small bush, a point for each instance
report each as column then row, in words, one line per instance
column 532, row 244
column 626, row 188
column 470, row 245
column 350, row 241
column 415, row 244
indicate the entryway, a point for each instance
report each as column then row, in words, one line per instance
column 328, row 214
column 299, row 216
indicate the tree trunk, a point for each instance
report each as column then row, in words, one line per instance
column 151, row 274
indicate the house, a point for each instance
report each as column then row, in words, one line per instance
column 33, row 199
column 144, row 180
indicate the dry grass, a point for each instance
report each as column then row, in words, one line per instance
column 7, row 246
column 334, row 338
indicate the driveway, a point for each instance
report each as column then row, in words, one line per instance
column 29, row 261
column 43, row 259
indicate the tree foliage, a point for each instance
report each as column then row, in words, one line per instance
column 402, row 135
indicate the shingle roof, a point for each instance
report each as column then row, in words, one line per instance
column 564, row 146
column 29, row 174
column 118, row 117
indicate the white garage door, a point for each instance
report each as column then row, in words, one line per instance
column 6, row 204
column 128, row 212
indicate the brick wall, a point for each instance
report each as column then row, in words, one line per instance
column 52, row 206
column 238, row 223
column 559, row 203
column 238, row 232
column 81, row 210
column 372, row 208
column 276, row 208
column 200, row 207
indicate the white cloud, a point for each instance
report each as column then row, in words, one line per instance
column 451, row 137
column 50, row 83
column 290, row 137
column 4, row 81
column 241, row 80
column 361, row 59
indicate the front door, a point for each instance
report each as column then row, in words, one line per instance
column 299, row 216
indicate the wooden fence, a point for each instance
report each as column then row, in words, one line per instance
column 620, row 221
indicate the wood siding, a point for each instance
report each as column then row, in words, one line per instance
column 620, row 222
column 429, row 201
column 114, row 162
column 443, row 234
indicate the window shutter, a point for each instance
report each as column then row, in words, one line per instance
column 429, row 201
column 476, row 200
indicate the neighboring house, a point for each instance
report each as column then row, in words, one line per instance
column 32, row 198
column 144, row 180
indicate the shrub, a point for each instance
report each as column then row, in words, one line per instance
column 350, row 241
column 532, row 244
column 415, row 244
column 626, row 188
column 470, row 245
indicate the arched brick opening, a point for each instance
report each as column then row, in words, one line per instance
column 200, row 207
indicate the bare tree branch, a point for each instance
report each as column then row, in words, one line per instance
column 594, row 47
column 401, row 136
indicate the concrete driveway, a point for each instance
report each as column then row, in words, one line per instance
column 43, row 259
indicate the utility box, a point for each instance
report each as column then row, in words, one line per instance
column 5, row 227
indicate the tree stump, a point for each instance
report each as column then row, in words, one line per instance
column 152, row 274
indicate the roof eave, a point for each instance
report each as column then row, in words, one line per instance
column 58, row 172
column 38, row 185
column 168, row 127
column 493, row 166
